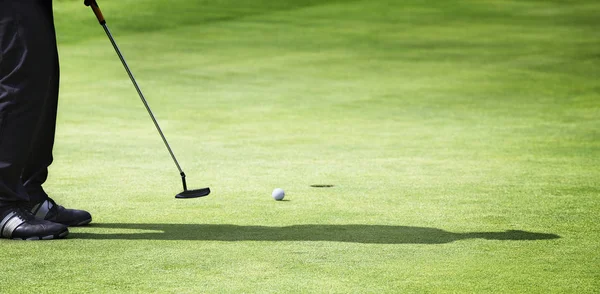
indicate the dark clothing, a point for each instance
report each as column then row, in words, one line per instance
column 29, row 78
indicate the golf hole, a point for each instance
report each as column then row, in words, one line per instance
column 321, row 186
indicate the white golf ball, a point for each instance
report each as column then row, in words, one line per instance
column 278, row 194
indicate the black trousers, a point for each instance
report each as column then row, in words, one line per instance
column 29, row 79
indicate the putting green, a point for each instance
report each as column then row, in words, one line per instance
column 460, row 139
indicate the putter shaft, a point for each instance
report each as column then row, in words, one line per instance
column 137, row 88
column 186, row 193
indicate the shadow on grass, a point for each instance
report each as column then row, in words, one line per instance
column 373, row 234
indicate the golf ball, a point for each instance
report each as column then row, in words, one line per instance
column 278, row 194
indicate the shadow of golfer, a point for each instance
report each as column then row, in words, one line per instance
column 373, row 234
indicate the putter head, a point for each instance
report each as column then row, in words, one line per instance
column 193, row 193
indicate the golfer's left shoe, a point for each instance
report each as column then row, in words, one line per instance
column 49, row 210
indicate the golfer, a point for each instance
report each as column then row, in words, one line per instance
column 29, row 77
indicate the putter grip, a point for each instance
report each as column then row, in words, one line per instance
column 96, row 9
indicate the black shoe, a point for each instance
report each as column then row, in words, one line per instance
column 49, row 210
column 18, row 223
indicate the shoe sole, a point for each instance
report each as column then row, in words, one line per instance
column 82, row 223
column 79, row 224
column 60, row 235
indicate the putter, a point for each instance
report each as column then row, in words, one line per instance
column 186, row 193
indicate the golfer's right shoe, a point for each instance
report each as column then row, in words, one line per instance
column 49, row 210
column 18, row 223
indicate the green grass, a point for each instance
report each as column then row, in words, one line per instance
column 462, row 139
